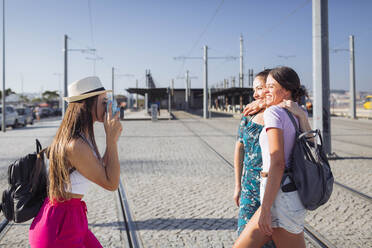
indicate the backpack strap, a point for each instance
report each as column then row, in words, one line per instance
column 38, row 146
column 292, row 119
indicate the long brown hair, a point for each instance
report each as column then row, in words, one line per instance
column 77, row 120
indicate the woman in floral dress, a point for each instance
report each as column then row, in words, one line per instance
column 247, row 174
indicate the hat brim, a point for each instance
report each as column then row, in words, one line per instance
column 84, row 96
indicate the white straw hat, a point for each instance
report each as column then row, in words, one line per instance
column 85, row 88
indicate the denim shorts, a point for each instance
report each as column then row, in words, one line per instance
column 287, row 211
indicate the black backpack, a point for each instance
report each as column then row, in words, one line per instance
column 309, row 169
column 27, row 179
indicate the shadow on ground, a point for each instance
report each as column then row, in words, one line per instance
column 199, row 112
column 189, row 224
column 207, row 224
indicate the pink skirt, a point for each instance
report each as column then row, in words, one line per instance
column 63, row 224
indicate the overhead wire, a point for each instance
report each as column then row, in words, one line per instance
column 91, row 23
column 200, row 36
column 272, row 28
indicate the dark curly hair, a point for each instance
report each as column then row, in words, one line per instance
column 289, row 80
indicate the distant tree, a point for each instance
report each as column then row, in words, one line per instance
column 24, row 98
column 36, row 100
column 8, row 92
column 50, row 95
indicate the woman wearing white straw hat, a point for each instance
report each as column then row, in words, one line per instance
column 74, row 163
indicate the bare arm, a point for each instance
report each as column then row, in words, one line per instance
column 277, row 165
column 254, row 107
column 86, row 163
column 238, row 160
column 105, row 173
column 297, row 111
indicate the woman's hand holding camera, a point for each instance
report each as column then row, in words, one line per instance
column 113, row 127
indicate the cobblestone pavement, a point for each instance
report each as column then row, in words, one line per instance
column 179, row 190
column 102, row 204
column 346, row 219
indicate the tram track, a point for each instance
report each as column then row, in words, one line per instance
column 339, row 184
column 131, row 238
column 316, row 238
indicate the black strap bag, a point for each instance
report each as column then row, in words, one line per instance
column 27, row 189
column 309, row 169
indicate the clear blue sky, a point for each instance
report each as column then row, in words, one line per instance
column 137, row 35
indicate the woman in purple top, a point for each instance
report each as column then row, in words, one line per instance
column 281, row 215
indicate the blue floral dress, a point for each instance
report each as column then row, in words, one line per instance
column 248, row 134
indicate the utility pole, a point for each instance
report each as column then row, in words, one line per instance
column 210, row 103
column 187, row 90
column 172, row 87
column 187, row 87
column 3, row 125
column 146, row 94
column 113, row 84
column 64, row 105
column 65, row 51
column 352, row 78
column 205, row 88
column 251, row 77
column 169, row 102
column 205, row 83
column 241, row 76
column 137, row 94
column 321, row 116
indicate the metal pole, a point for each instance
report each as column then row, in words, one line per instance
column 241, row 76
column 113, row 83
column 169, row 102
column 64, row 105
column 172, row 87
column 321, row 116
column 187, row 90
column 251, row 77
column 146, row 95
column 3, row 126
column 137, row 94
column 209, row 103
column 352, row 78
column 205, row 89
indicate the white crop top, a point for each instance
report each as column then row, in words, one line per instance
column 79, row 183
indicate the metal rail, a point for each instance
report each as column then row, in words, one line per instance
column 4, row 227
column 133, row 240
column 343, row 186
column 315, row 237
column 354, row 191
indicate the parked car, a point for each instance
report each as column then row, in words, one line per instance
column 11, row 117
column 57, row 111
column 45, row 112
column 25, row 116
